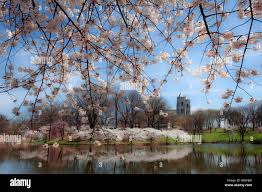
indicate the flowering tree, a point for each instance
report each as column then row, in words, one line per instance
column 115, row 40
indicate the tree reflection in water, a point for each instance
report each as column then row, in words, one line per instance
column 132, row 159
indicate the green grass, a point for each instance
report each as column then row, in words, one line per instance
column 219, row 136
column 164, row 140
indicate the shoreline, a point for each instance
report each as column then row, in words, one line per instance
column 138, row 136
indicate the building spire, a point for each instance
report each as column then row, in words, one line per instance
column 183, row 105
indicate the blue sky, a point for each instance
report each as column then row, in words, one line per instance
column 188, row 85
column 191, row 86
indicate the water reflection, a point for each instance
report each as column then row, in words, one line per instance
column 126, row 159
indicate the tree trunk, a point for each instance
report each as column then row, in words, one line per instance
column 148, row 122
column 242, row 138
column 49, row 132
column 78, row 122
column 63, row 131
column 116, row 110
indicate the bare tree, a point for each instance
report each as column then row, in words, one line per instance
column 73, row 117
column 210, row 118
column 49, row 115
column 185, row 122
column 153, row 107
column 4, row 123
column 218, row 118
column 243, row 122
column 84, row 101
column 252, row 112
column 131, row 106
column 124, row 111
column 116, row 100
column 259, row 115
column 239, row 119
column 198, row 121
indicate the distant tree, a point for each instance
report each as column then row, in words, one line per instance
column 124, row 111
column 153, row 107
column 185, row 122
column 171, row 119
column 218, row 118
column 210, row 118
column 232, row 117
column 198, row 121
column 259, row 116
column 84, row 101
column 239, row 118
column 243, row 122
column 252, row 113
column 131, row 106
column 48, row 116
column 136, row 105
column 4, row 123
column 73, row 117
column 116, row 97
column 20, row 124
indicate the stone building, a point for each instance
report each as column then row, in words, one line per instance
column 182, row 105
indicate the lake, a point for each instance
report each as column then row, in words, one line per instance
column 127, row 159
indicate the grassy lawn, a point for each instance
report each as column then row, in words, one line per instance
column 219, row 136
column 165, row 140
